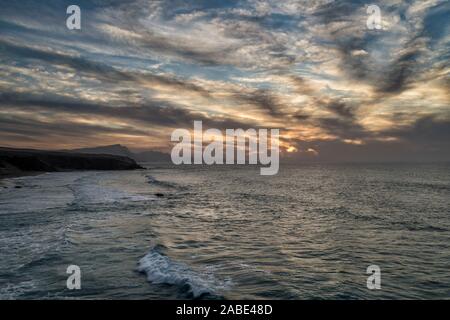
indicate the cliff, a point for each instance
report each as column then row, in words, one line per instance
column 119, row 150
column 15, row 161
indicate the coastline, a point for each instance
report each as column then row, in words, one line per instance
column 13, row 175
column 16, row 163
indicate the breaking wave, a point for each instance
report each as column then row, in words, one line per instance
column 160, row 269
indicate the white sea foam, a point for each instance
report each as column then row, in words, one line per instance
column 41, row 192
column 100, row 188
column 91, row 194
column 160, row 269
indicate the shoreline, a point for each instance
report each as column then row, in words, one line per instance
column 16, row 163
column 13, row 175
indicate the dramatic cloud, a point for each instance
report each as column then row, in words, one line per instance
column 139, row 69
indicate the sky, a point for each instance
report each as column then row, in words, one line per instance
column 137, row 70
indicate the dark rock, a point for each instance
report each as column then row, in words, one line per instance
column 18, row 187
column 159, row 195
column 38, row 160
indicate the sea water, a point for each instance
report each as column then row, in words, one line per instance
column 308, row 232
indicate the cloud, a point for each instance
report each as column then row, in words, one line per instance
column 151, row 113
column 427, row 130
column 137, row 70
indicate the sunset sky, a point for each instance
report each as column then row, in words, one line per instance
column 137, row 70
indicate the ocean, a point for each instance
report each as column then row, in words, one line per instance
column 226, row 232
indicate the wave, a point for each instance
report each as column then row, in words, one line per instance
column 419, row 185
column 160, row 269
column 10, row 291
column 164, row 184
column 89, row 190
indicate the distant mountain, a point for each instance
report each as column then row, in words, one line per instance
column 115, row 150
column 119, row 150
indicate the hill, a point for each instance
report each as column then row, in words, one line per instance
column 16, row 161
column 119, row 150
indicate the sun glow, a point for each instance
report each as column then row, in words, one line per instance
column 291, row 149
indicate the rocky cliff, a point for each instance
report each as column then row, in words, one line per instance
column 14, row 161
